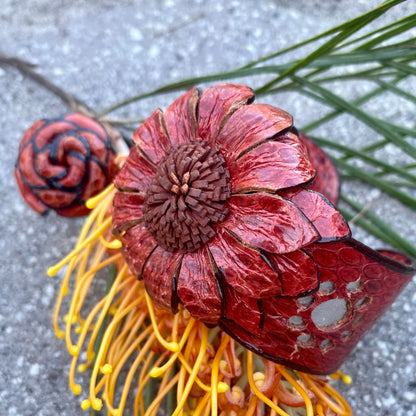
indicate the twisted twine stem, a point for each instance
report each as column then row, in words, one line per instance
column 27, row 69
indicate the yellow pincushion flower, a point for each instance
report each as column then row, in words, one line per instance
column 126, row 342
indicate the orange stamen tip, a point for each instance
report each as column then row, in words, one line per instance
column 97, row 404
column 112, row 310
column 259, row 378
column 73, row 350
column 51, row 272
column 74, row 319
column 90, row 355
column 236, row 393
column 346, row 379
column 93, row 201
column 76, row 389
column 60, row 334
column 172, row 346
column 107, row 369
column 82, row 367
column 114, row 244
column 222, row 387
column 223, row 365
column 64, row 290
column 156, row 372
column 85, row 404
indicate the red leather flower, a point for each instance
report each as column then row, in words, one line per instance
column 63, row 162
column 217, row 210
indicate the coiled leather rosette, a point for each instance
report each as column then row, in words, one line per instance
column 217, row 210
column 63, row 162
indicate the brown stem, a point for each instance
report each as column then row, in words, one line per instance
column 27, row 69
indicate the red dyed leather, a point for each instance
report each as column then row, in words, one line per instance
column 326, row 181
column 273, row 336
column 62, row 163
column 280, row 248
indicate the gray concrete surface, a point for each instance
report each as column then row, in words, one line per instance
column 102, row 52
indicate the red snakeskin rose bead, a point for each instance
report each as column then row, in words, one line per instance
column 63, row 162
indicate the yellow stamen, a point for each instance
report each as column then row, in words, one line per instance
column 105, row 345
column 93, row 202
column 75, row 350
column 256, row 391
column 109, row 298
column 96, row 404
column 86, row 404
column 341, row 408
column 236, row 393
column 76, row 389
column 202, row 405
column 214, row 374
column 113, row 245
column 299, row 389
column 158, row 371
column 344, row 377
column 143, row 379
column 107, row 369
column 83, row 367
column 130, row 376
column 171, row 346
column 319, row 410
column 54, row 269
column 161, row 395
column 222, row 387
column 111, row 385
column 259, row 378
column 197, row 365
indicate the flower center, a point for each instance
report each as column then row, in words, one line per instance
column 186, row 197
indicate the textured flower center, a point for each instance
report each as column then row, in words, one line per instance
column 186, row 197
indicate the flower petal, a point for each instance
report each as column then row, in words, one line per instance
column 138, row 244
column 159, row 275
column 86, row 123
column 217, row 104
column 30, row 195
column 127, row 210
column 181, row 119
column 270, row 166
column 152, row 138
column 326, row 180
column 250, row 125
column 242, row 309
column 269, row 223
column 49, row 131
column 136, row 174
column 244, row 269
column 298, row 272
column 323, row 215
column 198, row 289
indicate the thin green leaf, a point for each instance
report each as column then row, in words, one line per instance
column 376, row 124
column 377, row 182
column 322, row 35
column 191, row 82
column 365, row 157
column 349, row 29
column 361, row 100
column 393, row 237
column 400, row 26
column 389, row 86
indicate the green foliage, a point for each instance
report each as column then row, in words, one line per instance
column 383, row 58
